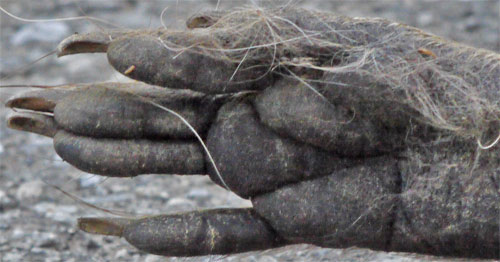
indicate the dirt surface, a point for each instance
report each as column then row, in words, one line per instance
column 38, row 222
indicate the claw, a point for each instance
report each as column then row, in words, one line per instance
column 95, row 42
column 35, row 123
column 40, row 100
column 104, row 226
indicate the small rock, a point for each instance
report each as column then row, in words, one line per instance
column 1, row 148
column 123, row 197
column 58, row 161
column 89, row 180
column 18, row 233
column 50, row 255
column 64, row 214
column 91, row 245
column 120, row 187
column 180, row 204
column 47, row 240
column 198, row 193
column 4, row 227
column 3, row 195
column 267, row 259
column 40, row 32
column 6, row 201
column 44, row 207
column 121, row 254
column 59, row 213
column 153, row 258
column 472, row 24
column 13, row 257
column 250, row 258
column 425, row 19
column 152, row 191
column 30, row 190
column 319, row 254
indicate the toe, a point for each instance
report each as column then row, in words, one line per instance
column 125, row 157
column 211, row 232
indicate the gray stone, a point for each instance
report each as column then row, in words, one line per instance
column 425, row 19
column 89, row 180
column 47, row 240
column 59, row 213
column 198, row 193
column 30, row 190
column 154, row 258
column 121, row 254
column 152, row 190
column 178, row 204
column 6, row 201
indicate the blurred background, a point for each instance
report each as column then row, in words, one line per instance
column 38, row 222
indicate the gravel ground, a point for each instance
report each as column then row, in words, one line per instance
column 37, row 222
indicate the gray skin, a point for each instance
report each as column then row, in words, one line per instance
column 314, row 173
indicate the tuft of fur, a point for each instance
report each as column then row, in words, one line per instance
column 452, row 87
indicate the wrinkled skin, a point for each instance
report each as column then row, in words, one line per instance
column 315, row 172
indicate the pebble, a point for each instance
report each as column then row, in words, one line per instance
column 58, row 161
column 18, row 233
column 5, row 201
column 92, row 245
column 44, row 252
column 30, row 190
column 59, row 213
column 1, row 148
column 120, row 187
column 88, row 180
column 198, row 193
column 119, row 198
column 472, row 24
column 267, row 259
column 47, row 240
column 121, row 254
column 40, row 32
column 8, row 257
column 152, row 190
column 153, row 258
column 425, row 19
column 178, row 204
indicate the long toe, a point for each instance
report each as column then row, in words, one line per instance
column 210, row 232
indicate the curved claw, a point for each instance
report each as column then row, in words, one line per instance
column 34, row 123
column 94, row 42
column 44, row 100
column 104, row 226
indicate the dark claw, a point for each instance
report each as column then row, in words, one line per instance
column 44, row 100
column 35, row 123
column 95, row 42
